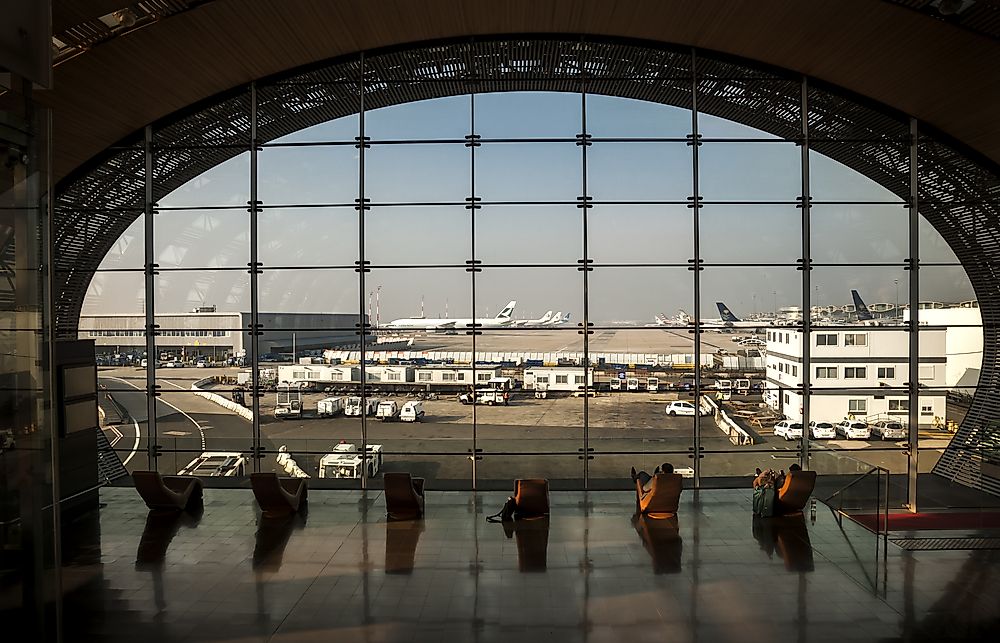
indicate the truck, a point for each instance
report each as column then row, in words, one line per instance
column 742, row 385
column 652, row 384
column 288, row 401
column 216, row 464
column 616, row 384
column 356, row 406
column 387, row 411
column 632, row 384
column 492, row 397
column 412, row 412
column 329, row 407
column 346, row 461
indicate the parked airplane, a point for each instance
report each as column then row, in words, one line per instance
column 728, row 320
column 860, row 308
column 680, row 320
column 557, row 320
column 541, row 321
column 420, row 323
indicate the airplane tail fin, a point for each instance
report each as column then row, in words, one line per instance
column 726, row 314
column 507, row 311
column 555, row 318
column 859, row 307
column 546, row 317
column 565, row 318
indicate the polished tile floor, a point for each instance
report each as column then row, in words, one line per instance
column 588, row 573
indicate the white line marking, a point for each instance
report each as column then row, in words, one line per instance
column 191, row 419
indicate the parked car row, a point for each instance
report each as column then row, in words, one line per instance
column 849, row 429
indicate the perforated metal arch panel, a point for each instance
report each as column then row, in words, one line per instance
column 958, row 196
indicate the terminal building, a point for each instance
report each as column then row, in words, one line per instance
column 859, row 373
column 218, row 336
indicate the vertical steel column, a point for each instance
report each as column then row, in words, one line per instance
column 913, row 385
column 696, row 266
column 148, row 209
column 585, row 205
column 362, row 271
column 806, row 205
column 473, row 143
column 254, row 266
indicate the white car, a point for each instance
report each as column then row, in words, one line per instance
column 822, row 430
column 889, row 430
column 788, row 429
column 854, row 430
column 683, row 408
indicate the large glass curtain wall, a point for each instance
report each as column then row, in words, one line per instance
column 613, row 211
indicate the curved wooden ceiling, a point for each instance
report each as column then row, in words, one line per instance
column 944, row 75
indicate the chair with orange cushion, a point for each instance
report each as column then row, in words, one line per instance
column 531, row 497
column 795, row 492
column 404, row 496
column 168, row 493
column 278, row 496
column 663, row 496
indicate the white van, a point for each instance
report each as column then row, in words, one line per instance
column 330, row 406
column 354, row 407
column 652, row 384
column 412, row 412
column 632, row 384
column 616, row 384
column 388, row 410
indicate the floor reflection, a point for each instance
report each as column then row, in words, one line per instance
column 160, row 529
column 789, row 537
column 532, row 536
column 662, row 539
column 272, row 537
column 401, row 538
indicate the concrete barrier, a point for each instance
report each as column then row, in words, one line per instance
column 238, row 409
column 736, row 434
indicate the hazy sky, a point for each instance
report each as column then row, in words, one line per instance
column 212, row 246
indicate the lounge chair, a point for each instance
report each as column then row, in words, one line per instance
column 795, row 492
column 662, row 498
column 404, row 496
column 531, row 497
column 167, row 493
column 277, row 496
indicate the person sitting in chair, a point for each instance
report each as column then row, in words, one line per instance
column 646, row 479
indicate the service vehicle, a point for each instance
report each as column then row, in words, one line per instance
column 616, row 384
column 752, row 342
column 889, row 430
column 330, row 406
column 412, row 412
column 724, row 385
column 347, row 462
column 216, row 464
column 788, row 429
column 288, row 401
column 492, row 397
column 387, row 411
column 632, row 384
column 683, row 407
column 541, row 391
column 742, row 386
column 356, row 406
column 854, row 430
column 822, row 430
column 652, row 384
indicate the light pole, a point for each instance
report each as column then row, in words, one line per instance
column 775, row 293
column 895, row 310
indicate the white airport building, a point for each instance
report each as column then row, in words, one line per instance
column 963, row 344
column 219, row 335
column 858, row 372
